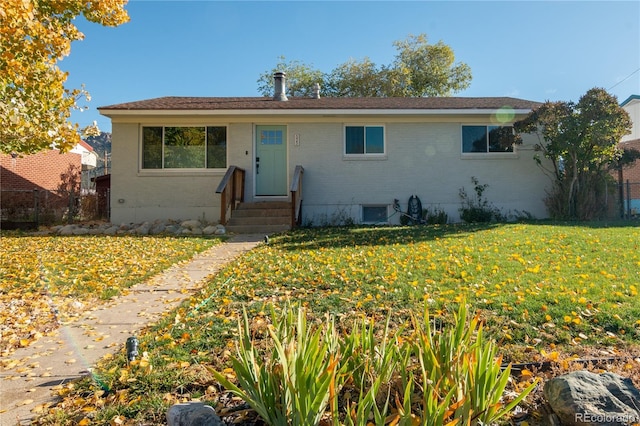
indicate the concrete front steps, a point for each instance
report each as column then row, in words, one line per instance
column 262, row 217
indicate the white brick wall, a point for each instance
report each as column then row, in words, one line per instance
column 423, row 158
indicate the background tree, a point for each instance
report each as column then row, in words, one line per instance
column 419, row 69
column 580, row 140
column 35, row 106
column 356, row 79
column 300, row 78
column 423, row 69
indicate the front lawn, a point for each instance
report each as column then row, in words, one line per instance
column 48, row 279
column 543, row 291
column 534, row 284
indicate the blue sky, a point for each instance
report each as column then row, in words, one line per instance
column 538, row 50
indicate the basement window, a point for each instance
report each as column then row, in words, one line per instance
column 374, row 214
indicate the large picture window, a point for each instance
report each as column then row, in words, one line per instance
column 184, row 147
column 361, row 140
column 487, row 139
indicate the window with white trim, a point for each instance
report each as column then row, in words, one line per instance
column 487, row 139
column 184, row 147
column 364, row 140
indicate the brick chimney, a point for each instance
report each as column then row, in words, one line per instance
column 280, row 87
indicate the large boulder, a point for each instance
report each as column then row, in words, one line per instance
column 193, row 414
column 583, row 398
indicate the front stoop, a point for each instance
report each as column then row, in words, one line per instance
column 262, row 217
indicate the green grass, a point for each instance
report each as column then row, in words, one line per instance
column 536, row 287
column 557, row 282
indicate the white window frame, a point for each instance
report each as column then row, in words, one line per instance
column 365, row 155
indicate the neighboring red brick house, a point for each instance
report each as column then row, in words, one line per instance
column 44, row 169
column 37, row 171
column 49, row 173
column 632, row 140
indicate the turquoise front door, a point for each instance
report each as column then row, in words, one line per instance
column 271, row 160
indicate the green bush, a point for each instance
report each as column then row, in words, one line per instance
column 477, row 209
column 435, row 216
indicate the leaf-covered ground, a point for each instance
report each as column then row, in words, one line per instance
column 546, row 292
column 47, row 279
column 535, row 284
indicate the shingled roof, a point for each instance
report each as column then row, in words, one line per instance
column 172, row 103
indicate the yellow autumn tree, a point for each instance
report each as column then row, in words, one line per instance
column 35, row 105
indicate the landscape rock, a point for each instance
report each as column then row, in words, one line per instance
column 172, row 229
column 582, row 398
column 209, row 230
column 191, row 224
column 193, row 414
column 80, row 231
column 143, row 229
column 111, row 230
column 67, row 230
column 165, row 227
column 158, row 228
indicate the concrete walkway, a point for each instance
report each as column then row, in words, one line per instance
column 26, row 383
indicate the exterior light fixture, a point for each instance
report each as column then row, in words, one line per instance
column 132, row 348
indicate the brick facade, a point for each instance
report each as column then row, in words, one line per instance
column 37, row 171
column 632, row 174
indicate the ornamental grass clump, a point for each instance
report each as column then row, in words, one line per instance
column 369, row 363
column 291, row 385
column 425, row 375
column 459, row 368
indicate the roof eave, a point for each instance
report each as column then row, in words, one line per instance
column 630, row 99
column 315, row 112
